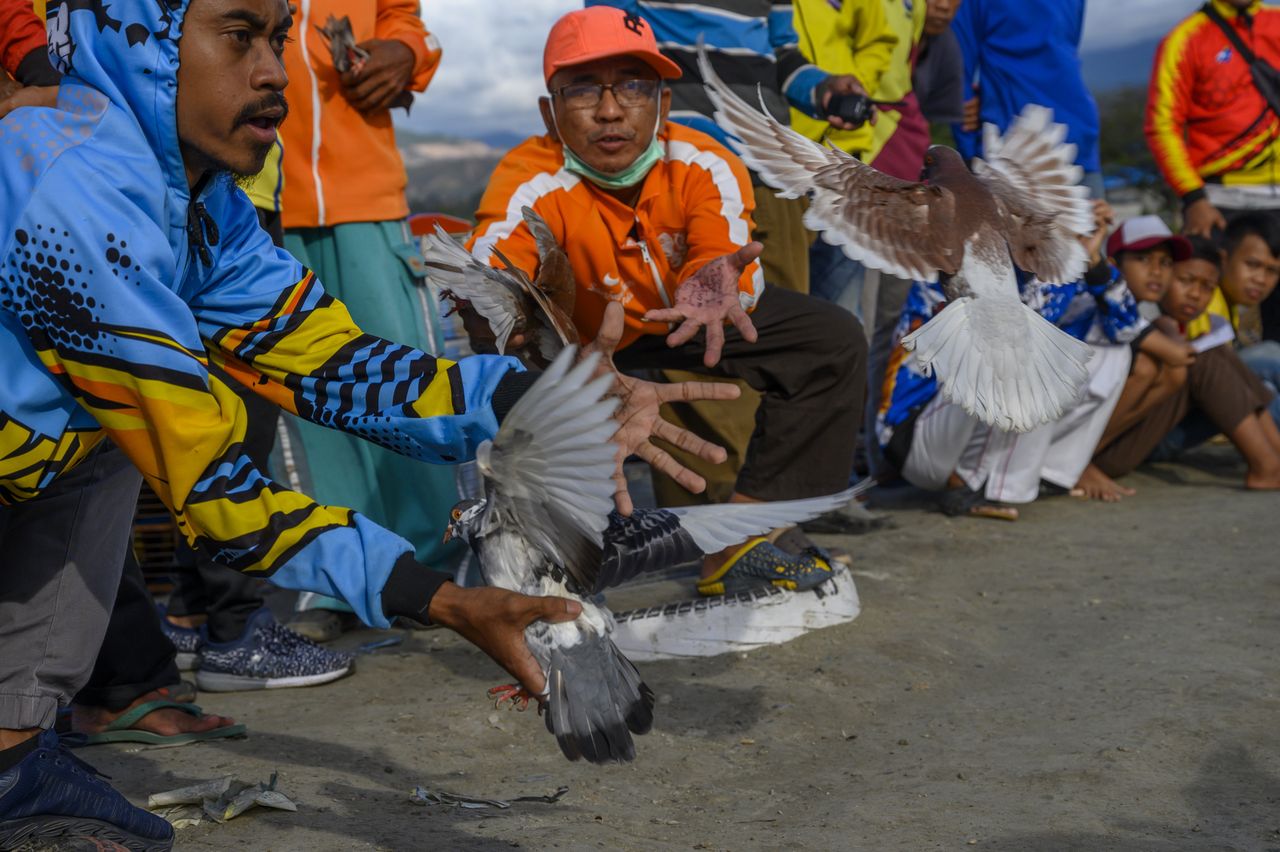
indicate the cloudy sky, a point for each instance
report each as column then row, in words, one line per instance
column 491, row 74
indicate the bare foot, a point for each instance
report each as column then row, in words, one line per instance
column 1096, row 485
column 1267, row 479
column 190, row 622
column 166, row 722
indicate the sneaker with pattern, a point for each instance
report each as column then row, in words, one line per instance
column 187, row 641
column 268, row 656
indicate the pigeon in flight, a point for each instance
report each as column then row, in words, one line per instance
column 546, row 526
column 994, row 356
column 541, row 311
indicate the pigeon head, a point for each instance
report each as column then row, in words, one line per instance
column 464, row 519
column 940, row 163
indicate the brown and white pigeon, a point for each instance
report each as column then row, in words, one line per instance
column 993, row 355
column 540, row 310
column 546, row 526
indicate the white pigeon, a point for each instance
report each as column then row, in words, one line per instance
column 546, row 526
column 994, row 356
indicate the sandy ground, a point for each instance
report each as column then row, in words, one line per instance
column 1089, row 678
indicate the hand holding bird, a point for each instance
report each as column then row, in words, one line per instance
column 710, row 298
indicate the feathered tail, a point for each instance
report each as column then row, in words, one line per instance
column 1001, row 361
column 597, row 701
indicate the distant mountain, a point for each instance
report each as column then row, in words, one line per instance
column 1117, row 67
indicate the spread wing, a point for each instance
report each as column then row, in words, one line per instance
column 714, row 528
column 550, row 468
column 554, row 290
column 888, row 224
column 1034, row 178
column 494, row 293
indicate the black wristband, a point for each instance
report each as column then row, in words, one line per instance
column 510, row 388
column 1192, row 197
column 1098, row 274
column 36, row 70
column 410, row 588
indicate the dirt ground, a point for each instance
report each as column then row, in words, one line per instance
column 1088, row 678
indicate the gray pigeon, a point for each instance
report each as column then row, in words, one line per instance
column 997, row 358
column 546, row 526
column 541, row 309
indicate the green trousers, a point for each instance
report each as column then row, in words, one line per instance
column 375, row 269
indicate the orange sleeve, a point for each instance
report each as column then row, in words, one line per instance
column 401, row 20
column 720, row 201
column 499, row 223
column 20, row 33
column 1167, row 100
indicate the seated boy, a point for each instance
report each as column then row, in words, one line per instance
column 1144, row 252
column 1248, row 276
column 1180, row 407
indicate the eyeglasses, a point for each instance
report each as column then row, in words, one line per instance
column 628, row 93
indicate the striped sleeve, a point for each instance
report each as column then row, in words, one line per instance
column 720, row 220
column 104, row 320
column 1167, row 103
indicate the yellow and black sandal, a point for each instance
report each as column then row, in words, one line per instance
column 758, row 563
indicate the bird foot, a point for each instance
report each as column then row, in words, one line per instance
column 517, row 695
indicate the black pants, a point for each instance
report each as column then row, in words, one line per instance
column 810, row 364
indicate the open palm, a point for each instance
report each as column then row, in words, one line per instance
column 640, row 420
column 709, row 298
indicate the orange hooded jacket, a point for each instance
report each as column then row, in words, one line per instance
column 695, row 206
column 339, row 164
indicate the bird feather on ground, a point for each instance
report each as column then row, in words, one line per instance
column 994, row 356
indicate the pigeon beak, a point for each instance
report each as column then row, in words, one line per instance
column 448, row 535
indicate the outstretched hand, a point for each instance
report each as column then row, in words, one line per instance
column 639, row 418
column 709, row 298
column 494, row 620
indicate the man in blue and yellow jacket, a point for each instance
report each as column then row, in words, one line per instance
column 129, row 263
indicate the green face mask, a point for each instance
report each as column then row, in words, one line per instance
column 628, row 177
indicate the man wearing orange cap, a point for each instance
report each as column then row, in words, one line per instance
column 657, row 216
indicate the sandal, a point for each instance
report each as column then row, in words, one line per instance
column 121, row 730
column 963, row 501
column 758, row 563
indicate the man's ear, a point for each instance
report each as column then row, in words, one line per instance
column 548, row 119
column 664, row 107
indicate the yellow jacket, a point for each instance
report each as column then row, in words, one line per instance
column 907, row 23
column 854, row 39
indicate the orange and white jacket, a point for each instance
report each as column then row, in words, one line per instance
column 1206, row 121
column 339, row 164
column 694, row 207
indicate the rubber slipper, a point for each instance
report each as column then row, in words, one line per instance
column 122, row 731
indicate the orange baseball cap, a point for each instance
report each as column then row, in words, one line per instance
column 599, row 32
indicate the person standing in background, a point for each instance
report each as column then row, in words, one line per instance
column 344, row 213
column 852, row 37
column 1214, row 134
column 1019, row 52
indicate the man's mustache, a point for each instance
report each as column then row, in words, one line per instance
column 272, row 101
column 597, row 135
